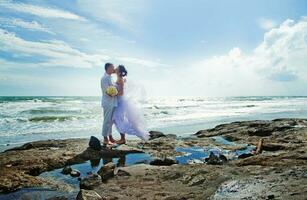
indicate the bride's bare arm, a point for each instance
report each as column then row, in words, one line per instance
column 120, row 87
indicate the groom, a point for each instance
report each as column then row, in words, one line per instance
column 108, row 104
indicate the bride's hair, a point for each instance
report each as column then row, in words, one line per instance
column 122, row 70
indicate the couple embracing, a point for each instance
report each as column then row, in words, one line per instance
column 118, row 109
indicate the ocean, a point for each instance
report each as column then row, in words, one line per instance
column 25, row 119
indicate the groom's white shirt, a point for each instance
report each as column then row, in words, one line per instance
column 107, row 101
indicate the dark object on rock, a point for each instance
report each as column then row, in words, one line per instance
column 231, row 138
column 163, row 162
column 223, row 158
column 95, row 143
column 34, row 171
column 245, row 155
column 212, row 159
column 107, row 171
column 75, row 173
column 271, row 196
column 88, row 195
column 58, row 198
column 215, row 159
column 121, row 172
column 66, row 170
column 272, row 147
column 156, row 134
column 90, row 182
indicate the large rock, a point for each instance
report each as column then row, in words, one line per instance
column 260, row 128
column 107, row 171
column 90, row 182
column 20, row 166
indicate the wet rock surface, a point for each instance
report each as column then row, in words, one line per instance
column 163, row 161
column 215, row 159
column 155, row 134
column 107, row 171
column 88, row 195
column 278, row 172
column 90, row 182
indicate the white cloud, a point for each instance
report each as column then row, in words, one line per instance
column 59, row 53
column 39, row 10
column 142, row 62
column 30, row 25
column 277, row 66
column 284, row 49
column 121, row 13
column 266, row 24
column 55, row 53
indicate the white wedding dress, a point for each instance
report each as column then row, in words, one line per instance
column 127, row 116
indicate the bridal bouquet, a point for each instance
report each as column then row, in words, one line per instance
column 112, row 91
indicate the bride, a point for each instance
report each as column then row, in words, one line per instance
column 127, row 117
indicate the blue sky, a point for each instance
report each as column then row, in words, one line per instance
column 174, row 47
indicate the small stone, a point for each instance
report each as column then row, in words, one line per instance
column 66, row 170
column 75, row 173
column 245, row 155
column 107, row 171
column 156, row 134
column 222, row 158
column 215, row 159
column 88, row 195
column 212, row 159
column 271, row 196
column 197, row 180
column 121, row 172
column 90, row 182
column 164, row 162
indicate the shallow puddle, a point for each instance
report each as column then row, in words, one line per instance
column 198, row 154
column 68, row 186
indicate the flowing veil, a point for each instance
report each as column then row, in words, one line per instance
column 134, row 122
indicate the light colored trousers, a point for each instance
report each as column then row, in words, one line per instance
column 107, row 120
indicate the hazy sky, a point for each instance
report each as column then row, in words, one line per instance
column 173, row 47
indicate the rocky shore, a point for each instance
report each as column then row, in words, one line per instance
column 218, row 163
